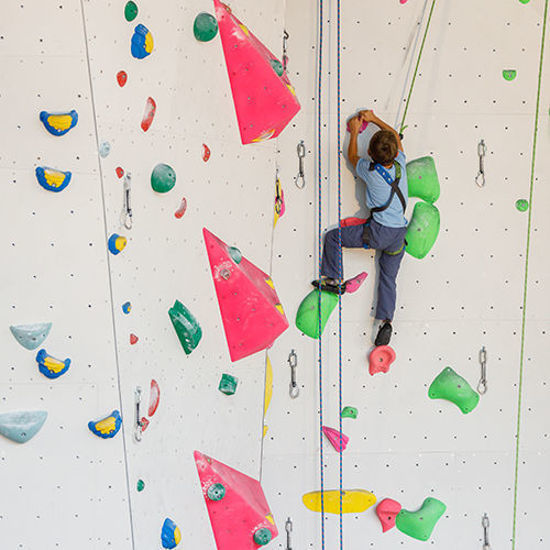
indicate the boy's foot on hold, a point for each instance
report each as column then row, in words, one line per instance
column 334, row 286
column 384, row 334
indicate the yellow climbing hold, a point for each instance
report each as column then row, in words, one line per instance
column 269, row 282
column 354, row 501
column 280, row 309
column 107, row 425
column 268, row 384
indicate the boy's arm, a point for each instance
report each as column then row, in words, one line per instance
column 354, row 126
column 369, row 116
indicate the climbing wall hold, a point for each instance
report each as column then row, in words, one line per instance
column 142, row 42
column 205, row 152
column 307, row 317
column 186, row 326
column 133, row 339
column 140, row 485
column 122, row 78
column 251, row 312
column 349, row 412
column 243, row 510
column 170, row 534
column 337, row 440
column 354, row 284
column 387, row 511
column 21, row 426
column 182, row 209
column 51, row 179
column 235, row 254
column 420, row 524
column 215, row 492
column 363, row 126
column 126, row 307
column 104, row 149
column 422, row 179
column 423, row 229
column 205, row 27
column 58, row 124
column 154, row 398
column 163, row 178
column 130, row 11
column 119, row 172
column 107, row 427
column 116, row 243
column 280, row 206
column 148, row 114
column 268, row 393
column 380, row 359
column 50, row 366
column 522, row 205
column 354, row 501
column 31, row 336
column 264, row 101
column 277, row 66
column 228, row 384
column 262, row 536
column 451, row 386
column 509, row 74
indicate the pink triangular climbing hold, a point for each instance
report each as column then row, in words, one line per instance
column 239, row 513
column 387, row 511
column 265, row 101
column 380, row 359
column 334, row 437
column 252, row 314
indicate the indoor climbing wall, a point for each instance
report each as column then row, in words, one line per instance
column 152, row 311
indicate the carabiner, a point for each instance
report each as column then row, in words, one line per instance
column 138, row 426
column 482, row 385
column 481, row 151
column 301, row 150
column 485, row 524
column 288, row 529
column 293, row 388
column 126, row 214
column 285, row 56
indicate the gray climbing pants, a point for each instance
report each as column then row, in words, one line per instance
column 390, row 241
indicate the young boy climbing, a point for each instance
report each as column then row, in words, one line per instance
column 386, row 196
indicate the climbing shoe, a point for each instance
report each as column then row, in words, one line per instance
column 384, row 334
column 330, row 285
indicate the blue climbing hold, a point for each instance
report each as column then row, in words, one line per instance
column 126, row 307
column 142, row 42
column 31, row 336
column 116, row 243
column 106, row 427
column 22, row 426
column 58, row 124
column 51, row 179
column 170, row 534
column 50, row 366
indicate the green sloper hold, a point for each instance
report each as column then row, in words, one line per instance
column 130, row 11
column 509, row 74
column 423, row 229
column 163, row 178
column 186, row 326
column 420, row 524
column 205, row 27
column 451, row 386
column 307, row 318
column 422, row 179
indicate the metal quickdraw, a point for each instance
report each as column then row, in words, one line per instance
column 485, row 524
column 138, row 425
column 481, row 151
column 301, row 150
column 288, row 529
column 285, row 56
column 482, row 386
column 126, row 214
column 293, row 388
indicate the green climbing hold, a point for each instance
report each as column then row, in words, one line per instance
column 307, row 317
column 524, row 1
column 216, row 491
column 509, row 74
column 228, row 384
column 140, row 485
column 163, row 178
column 186, row 326
column 235, row 254
column 277, row 66
column 451, row 386
column 522, row 205
column 349, row 412
column 422, row 179
column 423, row 229
column 420, row 524
column 262, row 536
column 130, row 11
column 205, row 27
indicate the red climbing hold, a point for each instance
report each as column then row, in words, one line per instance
column 205, row 152
column 119, row 172
column 334, row 437
column 133, row 339
column 252, row 314
column 154, row 398
column 387, row 511
column 144, row 424
column 148, row 114
column 381, row 358
column 182, row 208
column 122, row 78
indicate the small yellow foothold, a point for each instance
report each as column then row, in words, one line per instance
column 280, row 309
column 354, row 501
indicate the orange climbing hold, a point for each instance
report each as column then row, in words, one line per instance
column 381, row 358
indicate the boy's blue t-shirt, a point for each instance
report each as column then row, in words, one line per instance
column 378, row 192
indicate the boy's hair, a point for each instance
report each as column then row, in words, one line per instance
column 383, row 147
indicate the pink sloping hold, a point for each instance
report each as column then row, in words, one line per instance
column 334, row 437
column 252, row 315
column 387, row 511
column 241, row 512
column 264, row 101
column 380, row 359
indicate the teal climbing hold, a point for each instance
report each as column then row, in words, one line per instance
column 451, row 386
column 307, row 317
column 140, row 485
column 31, row 336
column 228, row 384
column 423, row 229
column 422, row 179
column 262, row 536
column 163, row 178
column 215, row 492
column 186, row 326
column 22, row 426
column 235, row 254
column 420, row 524
column 205, row 27
column 130, row 11
column 277, row 66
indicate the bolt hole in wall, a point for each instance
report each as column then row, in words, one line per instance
column 138, row 395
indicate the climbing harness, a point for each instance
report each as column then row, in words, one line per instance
column 301, row 150
column 293, row 390
column 288, row 529
column 482, row 386
column 481, row 150
column 485, row 524
column 138, row 426
column 285, row 56
column 126, row 215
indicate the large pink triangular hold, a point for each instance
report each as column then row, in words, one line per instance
column 334, row 437
column 252, row 314
column 239, row 513
column 265, row 101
